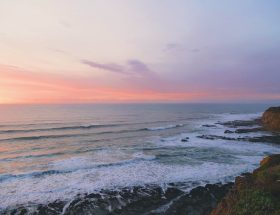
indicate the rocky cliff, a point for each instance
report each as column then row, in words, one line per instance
column 271, row 118
column 257, row 193
column 254, row 194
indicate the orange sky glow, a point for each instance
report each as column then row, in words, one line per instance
column 18, row 86
column 135, row 51
column 30, row 88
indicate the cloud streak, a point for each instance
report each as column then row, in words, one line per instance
column 132, row 67
column 179, row 48
column 111, row 67
column 22, row 86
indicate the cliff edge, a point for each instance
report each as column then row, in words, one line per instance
column 257, row 193
column 271, row 119
column 254, row 194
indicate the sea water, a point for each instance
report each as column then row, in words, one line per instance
column 55, row 152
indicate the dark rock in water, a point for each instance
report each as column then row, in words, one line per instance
column 249, row 130
column 209, row 126
column 19, row 211
column 228, row 132
column 261, row 139
column 207, row 137
column 51, row 209
column 215, row 137
column 243, row 123
column 256, row 193
column 273, row 138
column 134, row 201
column 200, row 201
column 186, row 139
column 271, row 119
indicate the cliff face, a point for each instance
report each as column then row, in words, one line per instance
column 257, row 193
column 254, row 194
column 271, row 118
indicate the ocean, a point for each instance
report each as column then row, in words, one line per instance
column 58, row 152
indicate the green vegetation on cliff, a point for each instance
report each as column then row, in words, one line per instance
column 255, row 194
column 256, row 202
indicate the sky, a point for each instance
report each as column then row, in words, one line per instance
column 114, row 51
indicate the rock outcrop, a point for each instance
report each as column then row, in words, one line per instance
column 271, row 119
column 150, row 200
column 256, row 193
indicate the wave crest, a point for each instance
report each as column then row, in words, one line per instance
column 164, row 127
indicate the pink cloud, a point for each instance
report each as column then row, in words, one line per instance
column 22, row 86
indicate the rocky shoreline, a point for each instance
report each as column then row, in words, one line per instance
column 252, row 193
column 133, row 201
column 257, row 192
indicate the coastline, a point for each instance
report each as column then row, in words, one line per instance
column 257, row 192
column 137, row 200
column 154, row 199
column 254, row 193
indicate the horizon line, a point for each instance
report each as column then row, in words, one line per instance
column 148, row 102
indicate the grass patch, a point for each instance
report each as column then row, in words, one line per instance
column 257, row 202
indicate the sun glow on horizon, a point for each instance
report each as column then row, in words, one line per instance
column 135, row 51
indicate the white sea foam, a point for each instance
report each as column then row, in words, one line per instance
column 236, row 146
column 131, row 169
column 66, row 186
column 99, row 159
column 115, row 168
column 236, row 116
column 164, row 127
